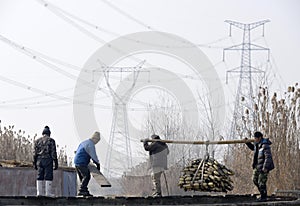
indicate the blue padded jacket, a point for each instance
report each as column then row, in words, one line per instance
column 85, row 152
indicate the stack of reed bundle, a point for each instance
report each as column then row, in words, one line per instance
column 206, row 175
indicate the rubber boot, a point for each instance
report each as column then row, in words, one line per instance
column 263, row 194
column 85, row 194
column 40, row 190
column 49, row 189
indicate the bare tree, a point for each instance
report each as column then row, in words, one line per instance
column 165, row 119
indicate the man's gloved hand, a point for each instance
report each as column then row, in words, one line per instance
column 55, row 164
column 145, row 141
column 98, row 166
column 34, row 165
column 264, row 170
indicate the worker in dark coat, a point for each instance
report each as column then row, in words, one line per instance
column 262, row 163
column 44, row 155
column 158, row 152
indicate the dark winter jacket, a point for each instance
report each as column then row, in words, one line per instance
column 262, row 158
column 158, row 152
column 44, row 147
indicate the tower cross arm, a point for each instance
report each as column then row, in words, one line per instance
column 235, row 47
column 257, row 47
column 236, row 24
column 257, row 24
column 250, row 26
column 138, row 67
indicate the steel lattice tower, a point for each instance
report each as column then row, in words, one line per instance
column 244, row 102
column 119, row 129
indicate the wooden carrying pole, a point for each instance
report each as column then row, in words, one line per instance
column 200, row 142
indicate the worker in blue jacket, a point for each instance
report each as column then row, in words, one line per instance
column 84, row 153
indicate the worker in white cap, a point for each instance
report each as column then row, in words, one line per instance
column 84, row 153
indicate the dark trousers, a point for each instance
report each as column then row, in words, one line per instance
column 260, row 180
column 84, row 176
column 45, row 169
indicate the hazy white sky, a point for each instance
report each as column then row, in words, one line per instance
column 34, row 26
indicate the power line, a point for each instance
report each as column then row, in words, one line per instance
column 281, row 81
column 67, row 16
column 58, row 13
column 34, row 56
column 46, row 60
column 47, row 94
column 31, row 98
column 128, row 15
column 60, row 10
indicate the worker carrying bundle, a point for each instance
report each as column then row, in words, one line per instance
column 206, row 175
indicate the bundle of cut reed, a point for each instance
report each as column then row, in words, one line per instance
column 206, row 175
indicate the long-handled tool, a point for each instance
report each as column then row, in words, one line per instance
column 166, row 183
column 199, row 142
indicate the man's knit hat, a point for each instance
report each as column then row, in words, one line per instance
column 258, row 134
column 154, row 136
column 46, row 131
column 96, row 137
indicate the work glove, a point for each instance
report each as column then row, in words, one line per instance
column 34, row 165
column 145, row 141
column 55, row 164
column 246, row 140
column 98, row 166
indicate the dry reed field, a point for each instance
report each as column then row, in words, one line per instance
column 279, row 120
column 16, row 147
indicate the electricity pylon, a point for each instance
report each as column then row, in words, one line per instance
column 122, row 157
column 244, row 101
